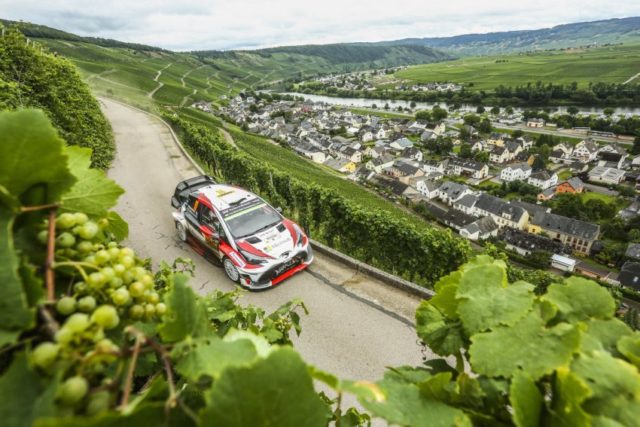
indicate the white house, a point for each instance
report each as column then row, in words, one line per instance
column 470, row 168
column 535, row 123
column 450, row 192
column 401, row 144
column 516, row 172
column 543, row 179
column 606, row 175
column 428, row 189
column 480, row 229
column 586, row 151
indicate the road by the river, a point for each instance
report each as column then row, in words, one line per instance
column 356, row 326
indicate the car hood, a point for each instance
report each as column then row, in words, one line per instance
column 275, row 242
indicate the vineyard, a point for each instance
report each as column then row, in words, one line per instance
column 91, row 336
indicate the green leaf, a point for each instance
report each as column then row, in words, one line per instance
column 31, row 155
column 15, row 314
column 527, row 345
column 404, row 404
column 581, row 299
column 569, row 394
column 25, row 396
column 526, row 401
column 604, row 335
column 487, row 300
column 615, row 385
column 445, row 299
column 442, row 336
column 212, row 357
column 93, row 193
column 117, row 226
column 276, row 391
column 185, row 314
column 629, row 346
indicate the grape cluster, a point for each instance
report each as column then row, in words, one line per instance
column 113, row 288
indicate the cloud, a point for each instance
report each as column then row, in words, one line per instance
column 216, row 24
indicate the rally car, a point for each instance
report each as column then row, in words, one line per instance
column 255, row 244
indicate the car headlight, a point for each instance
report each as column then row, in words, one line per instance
column 299, row 234
column 253, row 259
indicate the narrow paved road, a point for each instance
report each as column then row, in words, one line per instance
column 352, row 329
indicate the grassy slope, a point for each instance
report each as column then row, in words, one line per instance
column 613, row 64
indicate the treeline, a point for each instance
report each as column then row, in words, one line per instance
column 32, row 77
column 531, row 94
column 626, row 126
column 375, row 237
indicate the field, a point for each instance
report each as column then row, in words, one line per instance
column 614, row 64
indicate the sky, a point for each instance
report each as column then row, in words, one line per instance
column 249, row 24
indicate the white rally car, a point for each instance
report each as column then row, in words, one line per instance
column 256, row 245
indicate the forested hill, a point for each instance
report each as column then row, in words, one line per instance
column 625, row 30
column 356, row 54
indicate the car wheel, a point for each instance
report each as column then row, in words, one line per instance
column 230, row 270
column 181, row 231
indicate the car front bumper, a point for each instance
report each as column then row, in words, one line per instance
column 272, row 274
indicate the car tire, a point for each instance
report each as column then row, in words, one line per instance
column 230, row 270
column 181, row 231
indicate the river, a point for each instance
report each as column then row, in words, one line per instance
column 395, row 103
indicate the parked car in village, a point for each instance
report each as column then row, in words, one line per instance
column 257, row 246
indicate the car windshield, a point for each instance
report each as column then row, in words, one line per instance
column 252, row 220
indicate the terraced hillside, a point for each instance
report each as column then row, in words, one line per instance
column 611, row 64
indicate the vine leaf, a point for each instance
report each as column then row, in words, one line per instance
column 527, row 345
column 614, row 384
column 604, row 335
column 629, row 346
column 580, row 299
column 212, row 357
column 32, row 155
column 405, row 404
column 117, row 226
column 442, row 336
column 569, row 394
column 526, row 401
column 487, row 300
column 276, row 391
column 24, row 395
column 185, row 314
column 93, row 193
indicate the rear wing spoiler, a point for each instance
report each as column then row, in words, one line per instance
column 188, row 186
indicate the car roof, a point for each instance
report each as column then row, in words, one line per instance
column 226, row 198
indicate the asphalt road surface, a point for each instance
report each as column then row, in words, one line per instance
column 356, row 326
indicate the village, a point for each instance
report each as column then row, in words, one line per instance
column 488, row 186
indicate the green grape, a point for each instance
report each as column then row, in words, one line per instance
column 153, row 298
column 120, row 296
column 136, row 289
column 161, row 308
column 136, row 311
column 105, row 345
column 116, row 282
column 106, row 316
column 43, row 237
column 108, row 273
column 88, row 230
column 87, row 304
column 65, row 240
column 80, row 287
column 147, row 281
column 97, row 335
column 112, row 245
column 98, row 246
column 102, row 257
column 103, row 223
column 127, row 261
column 45, row 354
column 84, row 246
column 66, row 305
column 64, row 335
column 127, row 277
column 113, row 252
column 77, row 323
column 80, row 218
column 149, row 309
column 119, row 269
column 90, row 259
column 98, row 402
column 73, row 390
column 96, row 280
column 127, row 252
column 139, row 272
column 65, row 220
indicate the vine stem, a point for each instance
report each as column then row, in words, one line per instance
column 168, row 370
column 132, row 367
column 51, row 246
column 38, row 208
